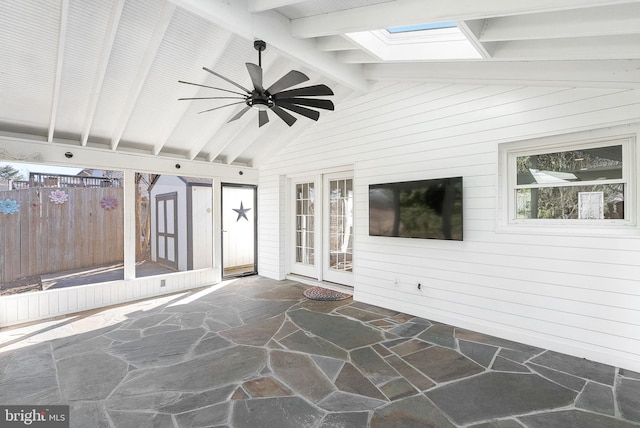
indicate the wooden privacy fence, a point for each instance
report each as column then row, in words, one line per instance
column 46, row 237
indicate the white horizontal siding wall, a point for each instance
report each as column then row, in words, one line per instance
column 578, row 293
column 28, row 307
column 272, row 226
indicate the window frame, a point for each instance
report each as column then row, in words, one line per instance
column 509, row 152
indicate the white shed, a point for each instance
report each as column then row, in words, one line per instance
column 181, row 222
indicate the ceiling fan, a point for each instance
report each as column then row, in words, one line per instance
column 275, row 97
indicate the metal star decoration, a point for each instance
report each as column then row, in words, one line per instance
column 242, row 212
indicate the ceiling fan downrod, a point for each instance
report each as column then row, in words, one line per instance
column 259, row 45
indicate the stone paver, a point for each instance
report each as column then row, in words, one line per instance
column 346, row 420
column 628, row 395
column 568, row 381
column 266, row 387
column 345, row 402
column 158, row 349
column 257, row 333
column 410, row 347
column 443, row 364
column 574, row 418
column 289, row 412
column 301, row 374
column 440, row 335
column 577, row 366
column 343, row 332
column 351, row 380
column 496, row 395
column 412, row 412
column 257, row 353
column 90, row 376
column 505, row 423
column 371, row 364
column 598, row 398
column 304, row 342
column 478, row 352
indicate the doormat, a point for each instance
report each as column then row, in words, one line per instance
column 319, row 293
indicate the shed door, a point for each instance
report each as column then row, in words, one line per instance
column 167, row 229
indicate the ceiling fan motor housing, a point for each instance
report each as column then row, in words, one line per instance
column 259, row 45
column 260, row 101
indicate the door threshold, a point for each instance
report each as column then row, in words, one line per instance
column 317, row 283
column 238, row 275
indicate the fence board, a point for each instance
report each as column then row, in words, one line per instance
column 44, row 237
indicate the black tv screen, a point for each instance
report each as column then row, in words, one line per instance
column 430, row 209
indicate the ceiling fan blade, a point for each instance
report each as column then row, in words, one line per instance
column 304, row 92
column 219, row 107
column 311, row 114
column 263, row 118
column 288, row 80
column 227, row 79
column 212, row 98
column 287, row 117
column 311, row 102
column 255, row 72
column 240, row 113
column 211, row 87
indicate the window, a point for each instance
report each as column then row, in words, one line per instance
column 580, row 184
column 60, row 227
column 422, row 27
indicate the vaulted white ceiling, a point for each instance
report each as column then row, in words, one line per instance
column 104, row 73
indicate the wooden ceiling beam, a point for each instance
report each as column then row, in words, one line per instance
column 275, row 29
column 62, row 36
column 107, row 48
column 141, row 77
column 623, row 74
column 255, row 6
column 587, row 22
column 414, row 12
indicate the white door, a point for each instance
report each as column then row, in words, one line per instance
column 238, row 230
column 322, row 228
column 305, row 228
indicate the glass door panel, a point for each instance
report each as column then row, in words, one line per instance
column 338, row 230
column 304, row 256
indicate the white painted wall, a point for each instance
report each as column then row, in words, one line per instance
column 202, row 219
column 28, row 307
column 573, row 292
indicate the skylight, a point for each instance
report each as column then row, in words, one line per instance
column 421, row 27
column 424, row 42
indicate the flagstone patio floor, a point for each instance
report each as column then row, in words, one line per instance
column 256, row 353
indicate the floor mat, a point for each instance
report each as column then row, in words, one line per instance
column 320, row 293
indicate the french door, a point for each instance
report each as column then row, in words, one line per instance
column 322, row 238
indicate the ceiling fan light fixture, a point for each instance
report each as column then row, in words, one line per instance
column 260, row 104
column 278, row 97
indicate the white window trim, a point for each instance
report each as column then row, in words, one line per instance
column 507, row 152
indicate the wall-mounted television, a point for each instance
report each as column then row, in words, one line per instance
column 429, row 209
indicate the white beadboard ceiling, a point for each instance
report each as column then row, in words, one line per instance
column 104, row 73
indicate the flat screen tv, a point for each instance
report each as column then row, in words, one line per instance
column 430, row 209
